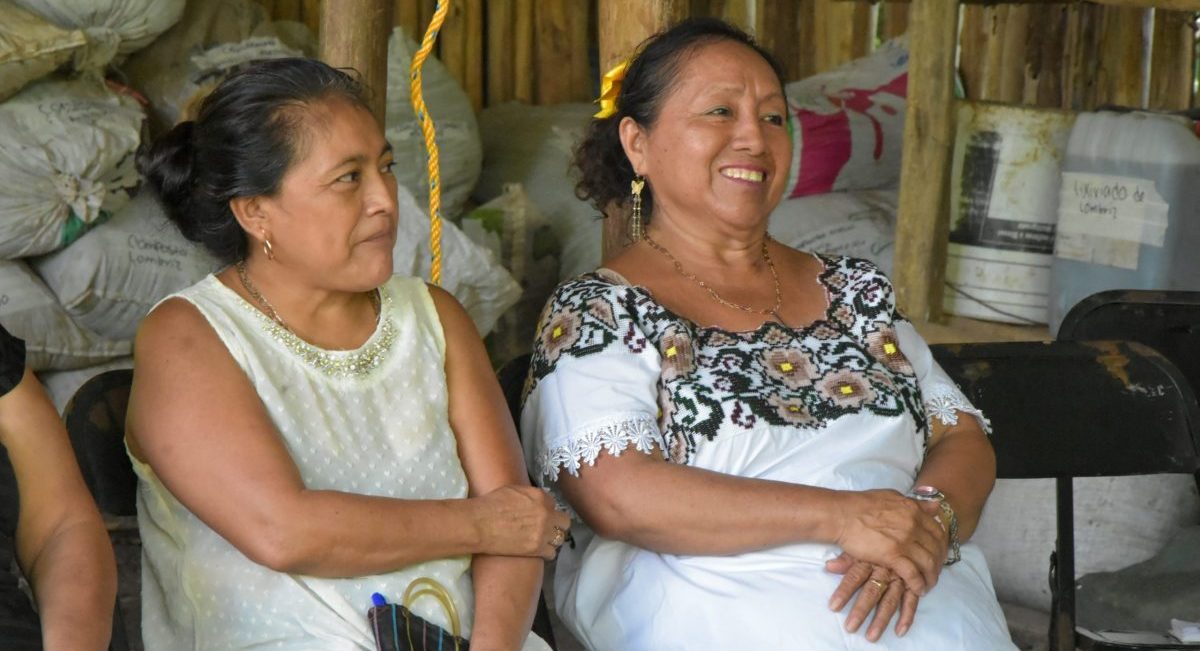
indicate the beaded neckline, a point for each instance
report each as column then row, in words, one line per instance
column 357, row 362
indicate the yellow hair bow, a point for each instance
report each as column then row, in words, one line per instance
column 610, row 88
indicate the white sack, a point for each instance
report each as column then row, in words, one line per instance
column 858, row 224
column 459, row 151
column 533, row 146
column 469, row 271
column 511, row 227
column 52, row 340
column 67, row 162
column 62, row 385
column 117, row 26
column 32, row 47
column 114, row 275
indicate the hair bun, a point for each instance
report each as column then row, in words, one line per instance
column 168, row 167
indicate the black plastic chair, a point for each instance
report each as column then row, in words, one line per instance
column 95, row 421
column 512, row 382
column 1080, row 409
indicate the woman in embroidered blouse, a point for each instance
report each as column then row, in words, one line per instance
column 308, row 429
column 749, row 435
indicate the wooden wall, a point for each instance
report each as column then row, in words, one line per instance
column 1075, row 55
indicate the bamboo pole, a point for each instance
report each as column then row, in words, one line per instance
column 523, row 51
column 500, row 43
column 310, row 15
column 843, row 33
column 561, row 52
column 623, row 24
column 922, row 224
column 354, row 34
column 1172, row 68
column 407, row 14
column 1044, row 56
column 893, row 20
column 1119, row 78
column 1081, row 64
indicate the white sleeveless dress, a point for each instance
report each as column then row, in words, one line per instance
column 371, row 421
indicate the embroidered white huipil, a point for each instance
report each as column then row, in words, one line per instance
column 841, row 403
column 371, row 421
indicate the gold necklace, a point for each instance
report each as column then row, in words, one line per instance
column 772, row 312
column 270, row 310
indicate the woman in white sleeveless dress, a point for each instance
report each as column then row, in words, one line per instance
column 307, row 429
column 760, row 452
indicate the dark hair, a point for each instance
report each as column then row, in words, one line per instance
column 246, row 135
column 605, row 170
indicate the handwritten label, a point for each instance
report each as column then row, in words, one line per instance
column 1106, row 219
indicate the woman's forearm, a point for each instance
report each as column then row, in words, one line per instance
column 677, row 509
column 506, row 591
column 75, row 584
column 963, row 466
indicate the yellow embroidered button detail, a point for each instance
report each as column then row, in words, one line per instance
column 889, row 348
column 846, row 389
column 671, row 352
column 793, row 408
column 786, row 367
column 557, row 332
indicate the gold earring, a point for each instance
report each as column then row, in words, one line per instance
column 268, row 250
column 636, row 231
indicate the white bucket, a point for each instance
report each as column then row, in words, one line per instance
column 1003, row 210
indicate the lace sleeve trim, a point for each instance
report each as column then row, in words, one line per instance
column 586, row 445
column 944, row 401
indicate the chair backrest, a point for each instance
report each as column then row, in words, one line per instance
column 1168, row 322
column 1079, row 409
column 95, row 420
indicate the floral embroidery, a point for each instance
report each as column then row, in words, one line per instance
column 790, row 366
column 943, row 402
column 677, row 357
column 613, row 438
column 885, row 348
column 791, row 410
column 560, row 333
column 845, row 363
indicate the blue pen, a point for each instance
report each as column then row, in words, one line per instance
column 378, row 599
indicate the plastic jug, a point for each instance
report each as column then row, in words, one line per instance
column 1129, row 208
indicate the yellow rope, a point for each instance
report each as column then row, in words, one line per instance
column 427, row 128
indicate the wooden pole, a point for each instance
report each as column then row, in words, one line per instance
column 523, row 51
column 1173, row 61
column 1120, row 75
column 561, row 50
column 623, row 24
column 922, row 226
column 500, row 44
column 1044, row 56
column 354, row 34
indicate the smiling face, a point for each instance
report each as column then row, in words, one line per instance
column 333, row 220
column 718, row 153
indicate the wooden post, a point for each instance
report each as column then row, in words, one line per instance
column 893, row 19
column 623, row 25
column 843, row 33
column 354, row 34
column 1044, row 56
column 523, row 51
column 461, row 47
column 1083, row 41
column 1173, row 61
column 922, row 226
column 1121, row 57
column 561, row 50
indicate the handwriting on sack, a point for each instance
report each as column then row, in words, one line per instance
column 150, row 252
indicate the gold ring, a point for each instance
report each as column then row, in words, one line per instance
column 559, row 537
column 877, row 583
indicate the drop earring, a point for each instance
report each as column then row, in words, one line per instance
column 636, row 229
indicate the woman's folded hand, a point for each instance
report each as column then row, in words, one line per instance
column 520, row 521
column 885, row 528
